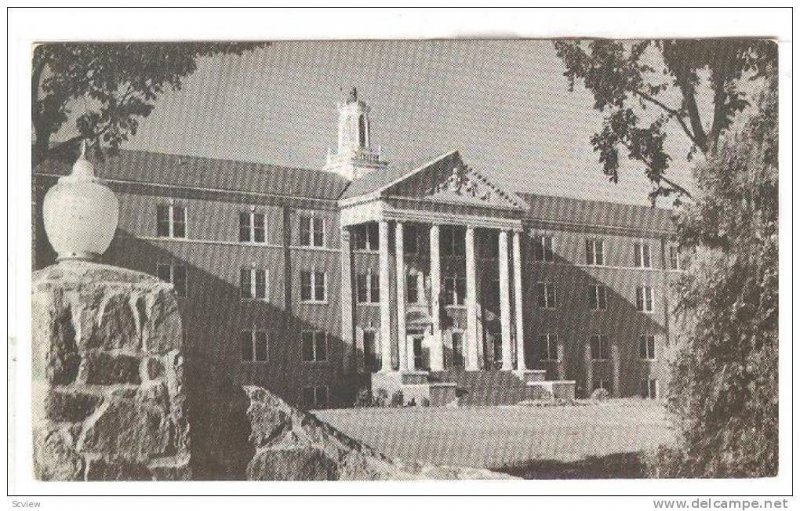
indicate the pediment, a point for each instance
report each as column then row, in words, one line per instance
column 449, row 180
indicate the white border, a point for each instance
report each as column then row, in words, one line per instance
column 27, row 26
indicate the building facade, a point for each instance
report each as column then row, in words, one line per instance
column 309, row 282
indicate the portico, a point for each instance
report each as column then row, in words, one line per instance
column 444, row 232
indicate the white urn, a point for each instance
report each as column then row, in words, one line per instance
column 80, row 213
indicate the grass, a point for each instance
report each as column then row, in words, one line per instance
column 592, row 441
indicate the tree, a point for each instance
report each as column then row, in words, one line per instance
column 117, row 81
column 724, row 384
column 628, row 77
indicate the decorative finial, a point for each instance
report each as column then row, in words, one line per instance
column 83, row 149
column 83, row 168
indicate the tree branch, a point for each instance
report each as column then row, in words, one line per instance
column 676, row 114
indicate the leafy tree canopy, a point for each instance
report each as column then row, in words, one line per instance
column 120, row 82
column 724, row 386
column 628, row 77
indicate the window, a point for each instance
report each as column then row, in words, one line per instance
column 674, row 257
column 312, row 286
column 543, row 248
column 598, row 297
column 316, row 396
column 602, row 384
column 372, row 357
column 412, row 288
column 594, row 252
column 549, row 344
column 366, row 236
column 170, row 221
column 254, row 345
column 647, row 347
column 315, row 346
column 546, row 295
column 458, row 349
column 252, row 227
column 175, row 274
column 411, row 240
column 644, row 299
column 649, row 389
column 599, row 347
column 452, row 243
column 312, row 231
column 253, row 284
column 368, row 288
column 454, row 290
column 641, row 255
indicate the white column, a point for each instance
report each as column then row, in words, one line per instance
column 518, row 301
column 471, row 361
column 437, row 349
column 349, row 359
column 505, row 300
column 400, row 271
column 386, row 311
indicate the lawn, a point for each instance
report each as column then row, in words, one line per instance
column 593, row 440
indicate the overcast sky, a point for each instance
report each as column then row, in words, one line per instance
column 503, row 104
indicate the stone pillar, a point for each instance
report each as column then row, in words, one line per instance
column 400, row 271
column 348, row 339
column 518, row 313
column 386, row 310
column 505, row 300
column 471, row 340
column 437, row 349
column 108, row 376
column 615, row 370
column 587, row 359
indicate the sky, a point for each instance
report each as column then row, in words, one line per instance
column 504, row 105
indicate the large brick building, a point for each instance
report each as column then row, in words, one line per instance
column 314, row 283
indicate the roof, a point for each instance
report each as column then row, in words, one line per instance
column 195, row 172
column 597, row 213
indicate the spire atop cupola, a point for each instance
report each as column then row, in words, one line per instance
column 355, row 155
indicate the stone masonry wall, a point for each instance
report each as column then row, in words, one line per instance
column 108, row 384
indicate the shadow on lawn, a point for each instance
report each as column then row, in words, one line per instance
column 625, row 465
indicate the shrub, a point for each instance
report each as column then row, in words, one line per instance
column 381, row 397
column 425, row 402
column 364, row 399
column 600, row 394
column 397, row 398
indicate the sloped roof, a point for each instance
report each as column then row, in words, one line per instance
column 196, row 172
column 597, row 213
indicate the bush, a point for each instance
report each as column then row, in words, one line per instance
column 364, row 399
column 381, row 397
column 425, row 402
column 600, row 394
column 397, row 398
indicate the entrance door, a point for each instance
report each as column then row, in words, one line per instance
column 458, row 350
column 372, row 359
column 497, row 351
column 419, row 359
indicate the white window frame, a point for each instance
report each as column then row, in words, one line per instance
column 312, row 221
column 313, row 281
column 252, row 226
column 648, row 297
column 253, row 295
column 639, row 252
column 655, row 390
column 545, row 286
column 315, row 356
column 550, row 341
column 254, row 331
column 315, row 393
column 676, row 250
column 543, row 237
column 595, row 288
column 644, row 341
column 171, row 280
column 369, row 278
column 601, row 340
column 363, row 235
column 171, row 206
column 602, row 244
column 456, row 297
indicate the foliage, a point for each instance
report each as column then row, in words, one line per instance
column 117, row 81
column 724, row 386
column 397, row 398
column 364, row 399
column 600, row 395
column 628, row 77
